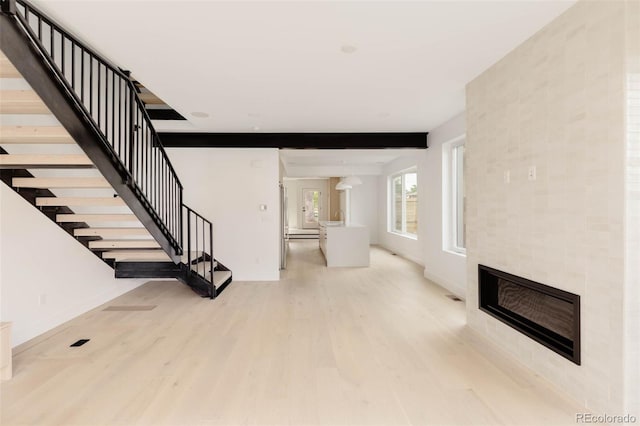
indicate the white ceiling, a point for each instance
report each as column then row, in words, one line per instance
column 340, row 162
column 280, row 66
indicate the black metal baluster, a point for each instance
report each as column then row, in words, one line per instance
column 73, row 65
column 62, row 50
column 137, row 127
column 145, row 143
column 147, row 165
column 51, row 44
column 213, row 289
column 131, row 125
column 98, row 91
column 197, row 245
column 90, row 85
column 168, row 201
column 82, row 70
column 181, row 229
column 204, row 248
column 145, row 155
column 123, row 119
column 158, row 181
column 164, row 190
column 152, row 165
column 139, row 147
column 119, row 114
column 113, row 109
column 188, row 237
column 173, row 207
column 106, row 105
column 26, row 14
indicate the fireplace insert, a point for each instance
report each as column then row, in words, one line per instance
column 546, row 314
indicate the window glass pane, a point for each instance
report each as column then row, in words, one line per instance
column 411, row 202
column 459, row 195
column 397, row 204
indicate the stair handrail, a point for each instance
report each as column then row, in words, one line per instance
column 136, row 147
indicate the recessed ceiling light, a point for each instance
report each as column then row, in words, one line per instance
column 348, row 48
column 200, row 114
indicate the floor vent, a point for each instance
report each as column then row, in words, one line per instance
column 79, row 343
column 130, row 308
column 454, row 298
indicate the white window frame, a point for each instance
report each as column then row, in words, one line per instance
column 451, row 198
column 391, row 204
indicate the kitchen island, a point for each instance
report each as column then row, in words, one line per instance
column 344, row 245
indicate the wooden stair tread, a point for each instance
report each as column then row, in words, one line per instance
column 34, row 135
column 21, row 102
column 132, row 255
column 96, row 218
column 109, row 232
column 46, row 183
column 7, row 70
column 31, row 161
column 150, row 98
column 123, row 244
column 219, row 277
column 80, row 201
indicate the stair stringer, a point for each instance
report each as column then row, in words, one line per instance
column 35, row 69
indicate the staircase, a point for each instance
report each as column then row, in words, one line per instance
column 77, row 143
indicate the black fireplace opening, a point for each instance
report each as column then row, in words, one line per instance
column 546, row 314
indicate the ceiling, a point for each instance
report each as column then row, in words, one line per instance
column 340, row 162
column 306, row 66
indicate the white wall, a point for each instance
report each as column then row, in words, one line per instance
column 295, row 201
column 440, row 266
column 412, row 249
column 227, row 187
column 364, row 206
column 40, row 260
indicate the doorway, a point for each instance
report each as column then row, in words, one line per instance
column 311, row 207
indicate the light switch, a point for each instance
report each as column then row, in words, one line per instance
column 263, row 207
column 532, row 173
column 507, row 176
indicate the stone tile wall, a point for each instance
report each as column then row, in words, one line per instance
column 557, row 104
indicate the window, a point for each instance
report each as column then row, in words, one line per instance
column 453, row 195
column 403, row 203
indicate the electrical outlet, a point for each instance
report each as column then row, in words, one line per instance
column 532, row 173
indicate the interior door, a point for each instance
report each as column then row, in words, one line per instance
column 310, row 208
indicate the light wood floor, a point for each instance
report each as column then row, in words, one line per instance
column 349, row 346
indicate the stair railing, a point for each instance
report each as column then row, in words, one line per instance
column 199, row 246
column 110, row 102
